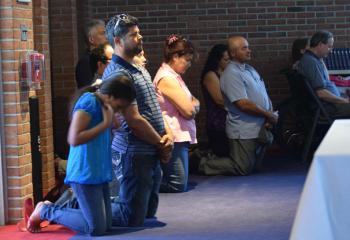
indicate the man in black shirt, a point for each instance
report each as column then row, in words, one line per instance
column 94, row 33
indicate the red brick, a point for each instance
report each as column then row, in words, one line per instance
column 19, row 181
column 20, row 192
column 15, row 213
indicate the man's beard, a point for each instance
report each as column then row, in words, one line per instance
column 132, row 52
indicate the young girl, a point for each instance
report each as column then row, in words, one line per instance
column 89, row 166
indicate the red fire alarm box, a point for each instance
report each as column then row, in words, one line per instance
column 33, row 69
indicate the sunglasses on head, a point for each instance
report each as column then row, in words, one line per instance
column 121, row 18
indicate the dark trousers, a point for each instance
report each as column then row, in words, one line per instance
column 337, row 110
column 218, row 142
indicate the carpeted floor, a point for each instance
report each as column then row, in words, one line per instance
column 256, row 207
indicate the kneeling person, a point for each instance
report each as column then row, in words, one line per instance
column 250, row 114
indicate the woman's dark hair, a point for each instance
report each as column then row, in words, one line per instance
column 214, row 57
column 176, row 44
column 299, row 44
column 118, row 85
column 98, row 54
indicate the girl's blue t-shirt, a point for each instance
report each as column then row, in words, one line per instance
column 90, row 163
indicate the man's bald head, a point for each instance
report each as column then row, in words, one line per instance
column 234, row 41
column 239, row 49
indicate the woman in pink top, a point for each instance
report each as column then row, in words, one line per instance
column 179, row 109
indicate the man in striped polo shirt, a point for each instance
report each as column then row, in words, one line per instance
column 142, row 139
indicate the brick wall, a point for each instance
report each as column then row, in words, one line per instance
column 16, row 107
column 64, row 55
column 270, row 26
column 17, row 133
column 64, row 46
column 84, row 13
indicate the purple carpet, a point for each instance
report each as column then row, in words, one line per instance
column 260, row 206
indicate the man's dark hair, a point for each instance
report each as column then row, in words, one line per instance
column 118, row 26
column 320, row 37
column 88, row 27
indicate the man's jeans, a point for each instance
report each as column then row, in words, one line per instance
column 94, row 213
column 139, row 177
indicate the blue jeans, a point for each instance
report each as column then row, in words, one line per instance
column 139, row 179
column 175, row 172
column 94, row 214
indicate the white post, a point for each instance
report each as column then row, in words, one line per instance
column 3, row 186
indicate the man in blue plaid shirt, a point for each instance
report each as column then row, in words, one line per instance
column 142, row 140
